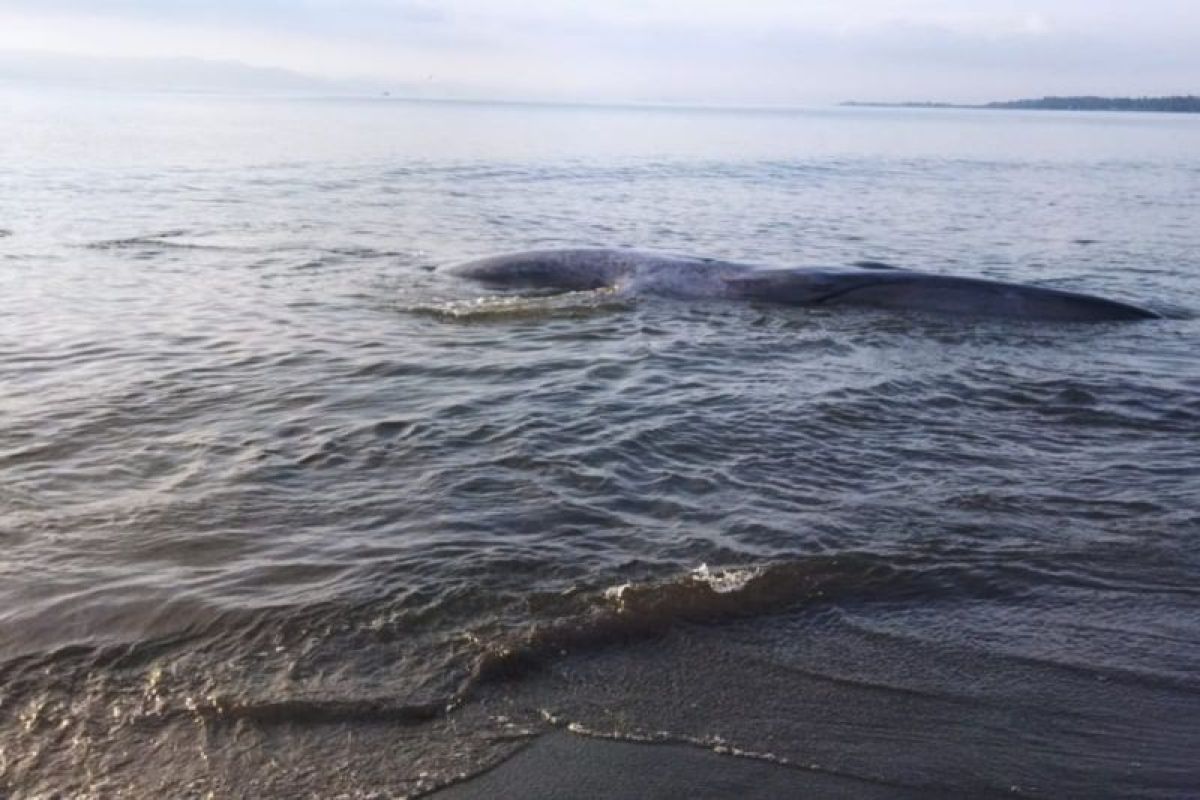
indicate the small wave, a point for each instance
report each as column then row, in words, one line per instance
column 162, row 240
column 706, row 596
column 365, row 253
column 309, row 711
column 715, row 743
column 498, row 307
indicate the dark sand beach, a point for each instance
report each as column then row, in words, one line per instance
column 565, row 765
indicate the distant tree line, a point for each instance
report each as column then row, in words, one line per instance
column 1179, row 104
column 1185, row 104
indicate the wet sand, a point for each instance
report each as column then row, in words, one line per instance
column 562, row 764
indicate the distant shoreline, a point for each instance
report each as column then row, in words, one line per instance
column 1179, row 104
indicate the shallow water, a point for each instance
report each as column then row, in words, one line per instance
column 286, row 511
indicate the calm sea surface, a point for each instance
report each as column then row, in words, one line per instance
column 284, row 511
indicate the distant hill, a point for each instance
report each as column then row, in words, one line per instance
column 179, row 75
column 1179, row 104
column 183, row 74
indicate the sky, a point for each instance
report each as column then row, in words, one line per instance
column 740, row 52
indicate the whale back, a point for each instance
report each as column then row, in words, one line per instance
column 562, row 270
column 871, row 284
column 942, row 294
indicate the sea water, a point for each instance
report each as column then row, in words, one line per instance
column 286, row 511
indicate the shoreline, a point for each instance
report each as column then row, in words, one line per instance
column 565, row 764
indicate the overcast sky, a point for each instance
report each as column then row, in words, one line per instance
column 715, row 51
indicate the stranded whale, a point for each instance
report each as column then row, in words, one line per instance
column 867, row 284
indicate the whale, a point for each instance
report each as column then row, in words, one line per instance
column 869, row 284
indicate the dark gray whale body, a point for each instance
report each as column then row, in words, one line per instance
column 868, row 284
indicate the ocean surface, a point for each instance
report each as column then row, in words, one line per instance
column 287, row 512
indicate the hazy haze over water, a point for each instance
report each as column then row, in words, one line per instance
column 712, row 52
